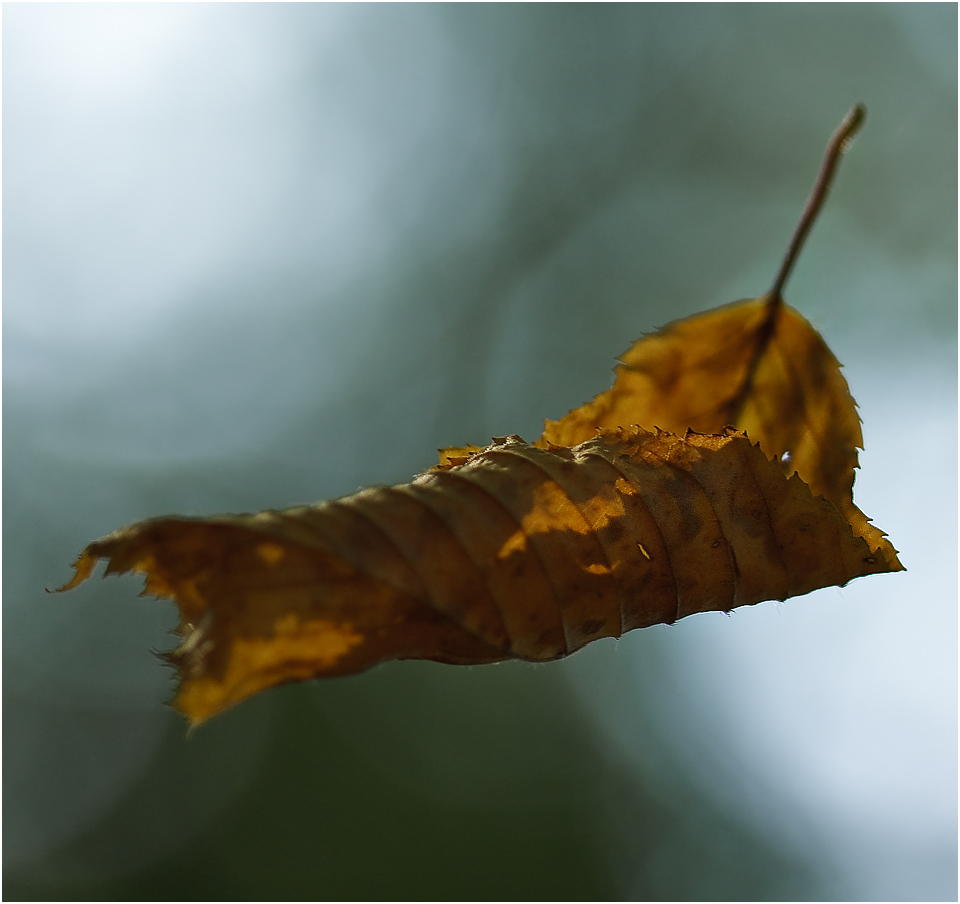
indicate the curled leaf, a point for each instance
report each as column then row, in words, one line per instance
column 531, row 551
column 518, row 552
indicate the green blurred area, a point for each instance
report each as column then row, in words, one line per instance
column 582, row 173
column 526, row 807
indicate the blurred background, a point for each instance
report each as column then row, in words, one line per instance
column 257, row 255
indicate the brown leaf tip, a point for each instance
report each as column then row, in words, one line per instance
column 82, row 568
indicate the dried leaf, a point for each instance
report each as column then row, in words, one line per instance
column 520, row 552
column 530, row 551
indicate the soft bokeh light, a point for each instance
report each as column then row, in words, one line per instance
column 257, row 255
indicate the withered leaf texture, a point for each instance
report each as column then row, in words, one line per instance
column 717, row 472
column 518, row 552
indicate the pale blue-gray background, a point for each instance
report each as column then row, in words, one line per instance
column 257, row 255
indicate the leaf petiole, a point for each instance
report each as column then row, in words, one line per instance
column 839, row 142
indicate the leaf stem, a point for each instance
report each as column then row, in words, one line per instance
column 839, row 142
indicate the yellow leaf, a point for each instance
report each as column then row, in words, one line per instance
column 520, row 552
column 531, row 551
